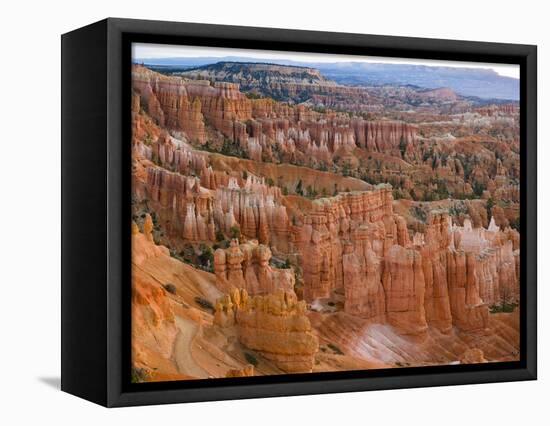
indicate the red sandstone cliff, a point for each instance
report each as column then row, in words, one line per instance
column 355, row 241
column 353, row 257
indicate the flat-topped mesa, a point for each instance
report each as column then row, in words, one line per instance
column 282, row 82
column 246, row 266
column 275, row 325
column 291, row 84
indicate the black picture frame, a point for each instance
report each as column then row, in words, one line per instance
column 96, row 215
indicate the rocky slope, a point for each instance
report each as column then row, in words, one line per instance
column 263, row 242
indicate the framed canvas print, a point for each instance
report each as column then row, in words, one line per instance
column 252, row 212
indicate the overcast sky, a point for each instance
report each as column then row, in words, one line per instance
column 142, row 51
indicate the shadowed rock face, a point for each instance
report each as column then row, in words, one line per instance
column 282, row 261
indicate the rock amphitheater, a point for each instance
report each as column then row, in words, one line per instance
column 254, row 252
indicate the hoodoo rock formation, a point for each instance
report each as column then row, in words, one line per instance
column 320, row 234
column 169, row 103
column 246, row 266
column 433, row 247
column 282, row 82
column 386, row 136
column 194, row 207
column 403, row 281
column 284, row 223
column 364, row 293
column 354, row 241
column 259, row 125
column 275, row 325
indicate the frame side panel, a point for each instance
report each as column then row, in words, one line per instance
column 118, row 214
column 83, row 213
column 530, row 215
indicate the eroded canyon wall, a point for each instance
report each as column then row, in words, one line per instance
column 338, row 241
column 264, row 128
column 447, row 276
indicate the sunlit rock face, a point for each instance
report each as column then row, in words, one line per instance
column 433, row 246
column 246, row 266
column 261, row 126
column 275, row 325
column 153, row 322
column 404, row 284
column 447, row 276
column 169, row 103
column 365, row 219
column 364, row 293
column 385, row 136
column 342, row 231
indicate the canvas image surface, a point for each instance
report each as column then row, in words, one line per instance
column 298, row 212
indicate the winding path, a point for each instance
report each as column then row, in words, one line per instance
column 182, row 349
